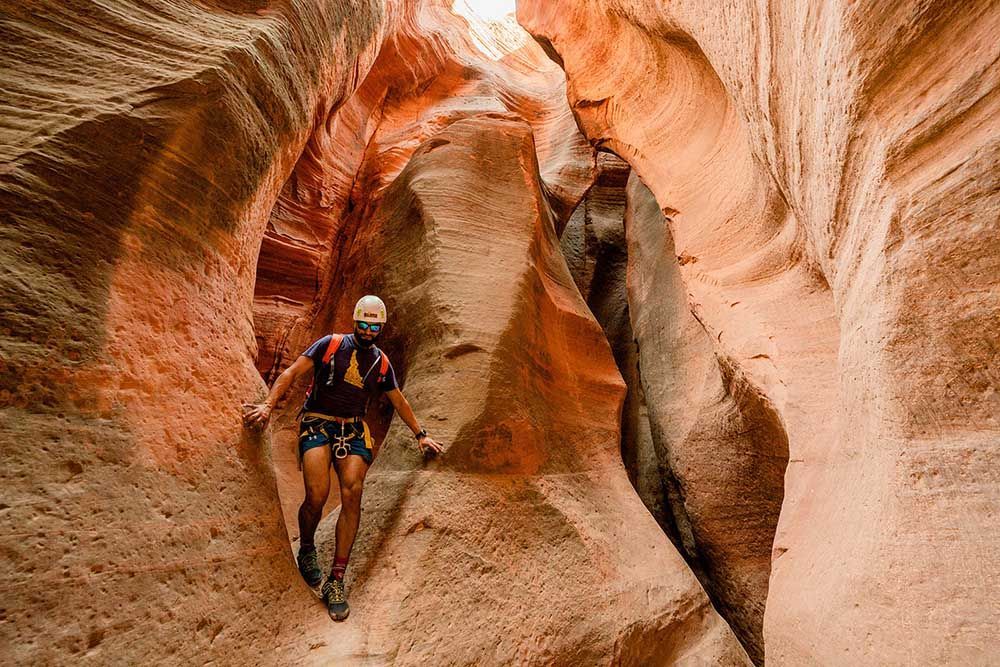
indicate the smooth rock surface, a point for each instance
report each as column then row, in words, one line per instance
column 596, row 252
column 828, row 173
column 193, row 192
column 429, row 73
column 721, row 444
column 143, row 147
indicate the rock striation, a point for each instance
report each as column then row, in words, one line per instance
column 706, row 455
column 767, row 318
column 475, row 158
column 144, row 145
column 828, row 181
column 428, row 74
column 596, row 252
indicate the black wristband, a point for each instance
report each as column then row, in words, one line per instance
column 422, row 434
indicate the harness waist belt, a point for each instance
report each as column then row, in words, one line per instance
column 339, row 420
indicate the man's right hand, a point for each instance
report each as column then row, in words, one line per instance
column 256, row 415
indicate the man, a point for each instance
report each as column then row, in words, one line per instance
column 347, row 371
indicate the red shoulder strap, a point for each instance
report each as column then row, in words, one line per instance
column 383, row 369
column 332, row 348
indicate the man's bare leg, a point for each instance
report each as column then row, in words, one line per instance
column 351, row 472
column 316, row 477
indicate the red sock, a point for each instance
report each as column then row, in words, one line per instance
column 339, row 568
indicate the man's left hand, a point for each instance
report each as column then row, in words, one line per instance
column 429, row 447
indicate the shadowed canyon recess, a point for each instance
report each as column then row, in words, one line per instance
column 701, row 298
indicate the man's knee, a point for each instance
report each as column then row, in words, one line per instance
column 350, row 494
column 315, row 499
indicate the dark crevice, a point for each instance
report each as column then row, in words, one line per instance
column 596, row 252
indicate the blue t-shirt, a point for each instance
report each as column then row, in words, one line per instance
column 342, row 387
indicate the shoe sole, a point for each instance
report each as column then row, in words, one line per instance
column 338, row 619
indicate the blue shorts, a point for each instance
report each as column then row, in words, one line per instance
column 343, row 439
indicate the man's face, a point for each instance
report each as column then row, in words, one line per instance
column 367, row 332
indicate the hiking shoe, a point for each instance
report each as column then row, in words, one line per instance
column 309, row 567
column 336, row 599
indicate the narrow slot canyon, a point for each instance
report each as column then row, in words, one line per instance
column 701, row 302
column 707, row 462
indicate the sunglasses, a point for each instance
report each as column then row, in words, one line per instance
column 365, row 326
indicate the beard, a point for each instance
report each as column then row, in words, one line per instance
column 363, row 342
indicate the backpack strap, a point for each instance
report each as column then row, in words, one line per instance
column 331, row 349
column 383, row 369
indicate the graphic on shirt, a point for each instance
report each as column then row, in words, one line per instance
column 334, row 392
column 353, row 376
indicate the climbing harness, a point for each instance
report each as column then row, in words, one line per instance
column 340, row 443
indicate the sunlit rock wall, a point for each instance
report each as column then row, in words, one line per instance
column 525, row 542
column 828, row 177
column 429, row 73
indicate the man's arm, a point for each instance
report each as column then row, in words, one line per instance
column 405, row 412
column 257, row 415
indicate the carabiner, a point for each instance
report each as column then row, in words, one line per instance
column 342, row 448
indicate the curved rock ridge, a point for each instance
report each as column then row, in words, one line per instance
column 596, row 252
column 730, row 227
column 708, row 456
column 719, row 440
column 525, row 542
column 827, row 180
column 429, row 73
column 192, row 192
column 437, row 189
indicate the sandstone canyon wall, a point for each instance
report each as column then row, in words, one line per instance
column 525, row 543
column 774, row 313
column 191, row 192
column 143, row 147
column 826, row 282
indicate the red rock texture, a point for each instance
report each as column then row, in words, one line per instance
column 427, row 75
column 719, row 437
column 706, row 456
column 596, row 252
column 431, row 198
column 828, row 176
column 806, row 254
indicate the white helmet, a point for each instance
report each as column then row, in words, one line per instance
column 370, row 309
